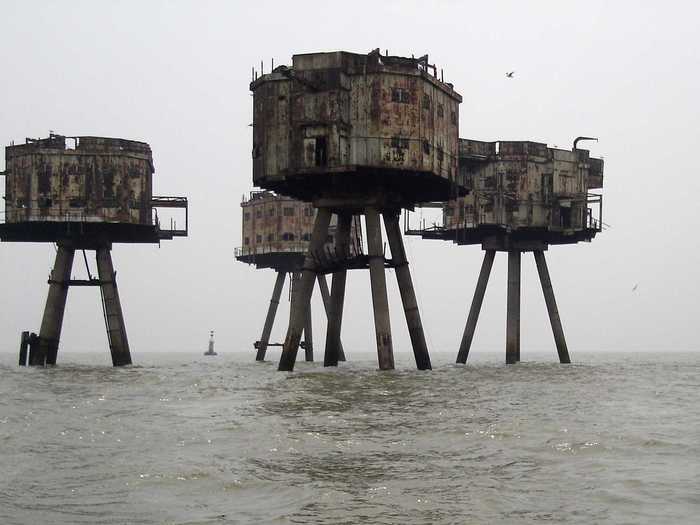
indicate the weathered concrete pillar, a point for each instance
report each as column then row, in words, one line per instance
column 114, row 318
column 326, row 296
column 513, row 309
column 380, row 303
column 300, row 300
column 408, row 295
column 552, row 309
column 308, row 336
column 334, row 349
column 270, row 319
column 475, row 309
column 52, row 320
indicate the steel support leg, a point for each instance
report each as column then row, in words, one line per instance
column 52, row 321
column 513, row 309
column 380, row 303
column 552, row 309
column 300, row 300
column 334, row 349
column 475, row 309
column 114, row 317
column 326, row 295
column 408, row 295
column 270, row 319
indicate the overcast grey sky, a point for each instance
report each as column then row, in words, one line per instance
column 176, row 74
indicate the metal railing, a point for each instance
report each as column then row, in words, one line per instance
column 62, row 211
column 274, row 247
column 67, row 214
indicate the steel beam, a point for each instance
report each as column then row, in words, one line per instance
column 270, row 318
column 475, row 309
column 300, row 300
column 114, row 317
column 52, row 320
column 513, row 308
column 380, row 303
column 408, row 294
column 552, row 309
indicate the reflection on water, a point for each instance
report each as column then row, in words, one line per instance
column 187, row 439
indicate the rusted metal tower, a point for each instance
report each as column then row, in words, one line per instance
column 523, row 197
column 276, row 235
column 356, row 134
column 82, row 193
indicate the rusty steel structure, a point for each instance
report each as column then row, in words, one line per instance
column 356, row 134
column 523, row 196
column 276, row 231
column 82, row 193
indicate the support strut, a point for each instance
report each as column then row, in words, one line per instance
column 513, row 308
column 408, row 295
column 326, row 296
column 475, row 309
column 308, row 336
column 52, row 321
column 270, row 319
column 300, row 300
column 114, row 317
column 334, row 348
column 380, row 303
column 552, row 309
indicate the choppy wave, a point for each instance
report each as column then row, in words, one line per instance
column 188, row 439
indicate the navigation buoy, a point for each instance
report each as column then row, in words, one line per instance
column 210, row 351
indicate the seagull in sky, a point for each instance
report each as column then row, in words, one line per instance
column 634, row 288
column 510, row 74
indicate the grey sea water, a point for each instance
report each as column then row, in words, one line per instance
column 613, row 438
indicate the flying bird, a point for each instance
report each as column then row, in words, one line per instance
column 634, row 288
column 510, row 74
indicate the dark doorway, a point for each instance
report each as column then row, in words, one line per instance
column 321, row 151
column 565, row 214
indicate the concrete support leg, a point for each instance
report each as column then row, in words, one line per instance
column 114, row 318
column 408, row 295
column 513, row 309
column 300, row 300
column 382, row 325
column 52, row 321
column 308, row 344
column 552, row 309
column 308, row 336
column 334, row 349
column 270, row 319
column 475, row 309
column 326, row 295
